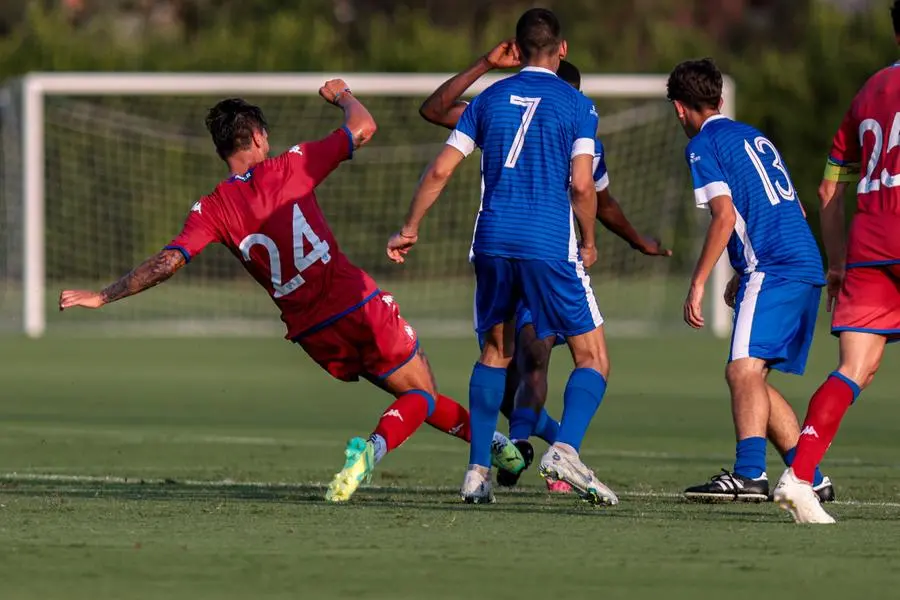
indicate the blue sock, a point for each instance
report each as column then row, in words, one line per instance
column 522, row 423
column 789, row 460
column 547, row 428
column 750, row 457
column 485, row 397
column 582, row 398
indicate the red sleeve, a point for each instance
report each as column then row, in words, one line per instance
column 314, row 161
column 199, row 231
column 845, row 148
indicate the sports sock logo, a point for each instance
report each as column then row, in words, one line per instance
column 393, row 413
column 809, row 430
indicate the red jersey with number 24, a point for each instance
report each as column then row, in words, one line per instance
column 270, row 220
column 869, row 138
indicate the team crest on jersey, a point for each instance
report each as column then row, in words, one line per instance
column 197, row 208
column 296, row 150
column 693, row 158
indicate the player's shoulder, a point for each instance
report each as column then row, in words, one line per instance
column 883, row 82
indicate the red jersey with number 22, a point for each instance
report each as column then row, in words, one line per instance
column 270, row 220
column 869, row 137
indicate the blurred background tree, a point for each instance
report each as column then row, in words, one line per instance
column 797, row 63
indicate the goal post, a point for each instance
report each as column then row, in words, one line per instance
column 146, row 132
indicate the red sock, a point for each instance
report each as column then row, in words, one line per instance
column 823, row 417
column 451, row 418
column 403, row 417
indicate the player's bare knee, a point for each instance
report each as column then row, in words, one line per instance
column 744, row 371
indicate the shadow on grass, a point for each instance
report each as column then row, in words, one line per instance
column 520, row 501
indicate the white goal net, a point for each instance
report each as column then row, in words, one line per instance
column 99, row 171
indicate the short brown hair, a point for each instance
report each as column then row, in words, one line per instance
column 696, row 83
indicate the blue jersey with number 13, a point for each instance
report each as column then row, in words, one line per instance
column 528, row 126
column 771, row 235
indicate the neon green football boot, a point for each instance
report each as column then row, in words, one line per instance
column 357, row 469
column 506, row 456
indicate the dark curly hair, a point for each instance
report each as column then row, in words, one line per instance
column 696, row 84
column 232, row 123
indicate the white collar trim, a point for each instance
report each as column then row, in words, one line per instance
column 537, row 70
column 711, row 119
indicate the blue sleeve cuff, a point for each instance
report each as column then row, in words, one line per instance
column 349, row 141
column 187, row 255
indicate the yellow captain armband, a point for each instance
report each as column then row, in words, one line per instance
column 846, row 173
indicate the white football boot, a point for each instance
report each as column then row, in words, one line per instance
column 561, row 463
column 798, row 498
column 477, row 487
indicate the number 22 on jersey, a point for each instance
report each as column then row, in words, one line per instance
column 302, row 261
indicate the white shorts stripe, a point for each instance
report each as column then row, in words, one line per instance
column 589, row 293
column 743, row 325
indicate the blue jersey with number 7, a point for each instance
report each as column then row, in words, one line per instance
column 529, row 127
column 771, row 235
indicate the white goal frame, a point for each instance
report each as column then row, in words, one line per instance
column 37, row 86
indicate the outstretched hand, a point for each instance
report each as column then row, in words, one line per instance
column 399, row 245
column 504, row 55
column 653, row 247
column 82, row 298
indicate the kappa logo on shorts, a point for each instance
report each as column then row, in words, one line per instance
column 810, row 430
column 393, row 413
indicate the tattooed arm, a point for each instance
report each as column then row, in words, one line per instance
column 151, row 272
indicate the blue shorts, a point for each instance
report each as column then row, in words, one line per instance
column 774, row 320
column 523, row 318
column 557, row 293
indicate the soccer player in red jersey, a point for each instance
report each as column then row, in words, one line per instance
column 863, row 271
column 267, row 215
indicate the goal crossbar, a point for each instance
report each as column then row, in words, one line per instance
column 37, row 86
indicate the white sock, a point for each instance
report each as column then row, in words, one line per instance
column 380, row 446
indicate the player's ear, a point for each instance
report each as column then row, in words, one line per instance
column 721, row 104
column 563, row 49
column 679, row 110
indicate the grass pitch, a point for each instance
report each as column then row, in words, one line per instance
column 195, row 468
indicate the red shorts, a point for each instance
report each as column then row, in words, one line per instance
column 869, row 301
column 371, row 340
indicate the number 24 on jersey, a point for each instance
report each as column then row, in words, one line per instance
column 302, row 261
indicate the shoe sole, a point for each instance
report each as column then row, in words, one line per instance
column 788, row 505
column 712, row 498
column 590, row 496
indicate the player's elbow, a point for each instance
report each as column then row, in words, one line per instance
column 583, row 188
column 440, row 171
column 365, row 131
column 427, row 112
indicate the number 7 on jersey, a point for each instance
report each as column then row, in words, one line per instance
column 530, row 105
